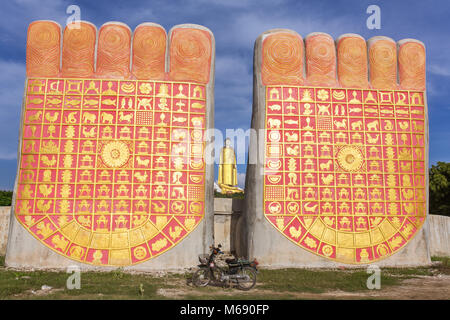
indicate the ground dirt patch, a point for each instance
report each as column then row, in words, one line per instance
column 396, row 283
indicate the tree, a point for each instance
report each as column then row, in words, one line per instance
column 5, row 197
column 440, row 189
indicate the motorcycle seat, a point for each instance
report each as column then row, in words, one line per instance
column 231, row 261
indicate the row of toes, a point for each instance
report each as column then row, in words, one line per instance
column 186, row 54
column 349, row 61
column 116, row 52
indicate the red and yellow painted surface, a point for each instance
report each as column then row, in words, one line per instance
column 345, row 169
column 111, row 171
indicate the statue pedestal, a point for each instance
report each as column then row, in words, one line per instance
column 227, row 214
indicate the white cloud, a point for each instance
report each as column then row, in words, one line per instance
column 231, row 67
column 441, row 70
column 233, row 92
column 8, row 156
column 20, row 12
column 247, row 26
column 227, row 3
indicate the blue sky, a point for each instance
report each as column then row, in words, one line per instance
column 235, row 24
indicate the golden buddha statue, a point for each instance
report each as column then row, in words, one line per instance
column 227, row 170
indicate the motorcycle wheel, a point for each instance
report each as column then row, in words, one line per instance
column 217, row 274
column 246, row 278
column 201, row 278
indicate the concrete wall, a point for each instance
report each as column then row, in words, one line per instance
column 228, row 228
column 4, row 226
column 227, row 213
column 439, row 235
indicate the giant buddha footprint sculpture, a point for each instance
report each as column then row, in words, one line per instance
column 111, row 167
column 342, row 171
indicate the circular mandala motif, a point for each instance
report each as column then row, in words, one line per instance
column 327, row 250
column 350, row 158
column 196, row 135
column 275, row 207
column 293, row 207
column 115, row 154
column 178, row 206
column 382, row 250
column 139, row 253
column 274, row 136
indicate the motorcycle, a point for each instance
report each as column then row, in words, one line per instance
column 238, row 271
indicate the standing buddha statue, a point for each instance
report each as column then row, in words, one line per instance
column 227, row 180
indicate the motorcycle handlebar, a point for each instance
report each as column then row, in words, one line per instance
column 217, row 250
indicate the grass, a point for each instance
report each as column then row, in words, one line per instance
column 291, row 280
column 5, row 197
column 314, row 281
column 94, row 285
column 444, row 265
column 407, row 273
column 272, row 284
column 232, row 195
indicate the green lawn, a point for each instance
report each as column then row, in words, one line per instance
column 444, row 266
column 277, row 284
